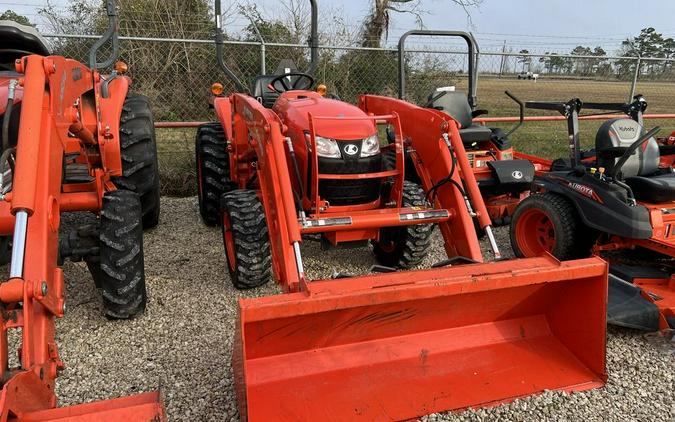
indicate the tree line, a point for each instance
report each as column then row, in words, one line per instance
column 594, row 61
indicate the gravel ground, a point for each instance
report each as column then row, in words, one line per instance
column 183, row 343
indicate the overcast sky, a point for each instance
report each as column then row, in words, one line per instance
column 552, row 25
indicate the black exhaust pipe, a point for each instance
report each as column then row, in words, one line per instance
column 111, row 34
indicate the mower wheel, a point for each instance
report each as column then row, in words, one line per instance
column 405, row 246
column 121, row 272
column 140, row 169
column 246, row 240
column 548, row 222
column 213, row 171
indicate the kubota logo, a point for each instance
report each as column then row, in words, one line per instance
column 351, row 149
column 582, row 189
column 624, row 129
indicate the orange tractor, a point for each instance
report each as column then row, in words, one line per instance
column 394, row 344
column 72, row 140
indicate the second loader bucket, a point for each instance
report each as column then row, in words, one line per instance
column 400, row 345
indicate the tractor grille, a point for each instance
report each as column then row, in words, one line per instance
column 350, row 192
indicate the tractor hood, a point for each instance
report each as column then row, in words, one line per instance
column 295, row 107
column 4, row 91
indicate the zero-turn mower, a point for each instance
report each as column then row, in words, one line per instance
column 72, row 140
column 503, row 181
column 618, row 196
column 391, row 345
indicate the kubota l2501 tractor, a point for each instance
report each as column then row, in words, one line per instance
column 72, row 140
column 396, row 344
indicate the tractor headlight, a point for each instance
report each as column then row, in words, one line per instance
column 370, row 146
column 326, row 147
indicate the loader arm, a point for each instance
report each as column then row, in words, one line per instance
column 257, row 127
column 434, row 155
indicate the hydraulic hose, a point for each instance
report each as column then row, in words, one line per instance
column 4, row 142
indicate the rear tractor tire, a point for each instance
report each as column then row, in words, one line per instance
column 548, row 222
column 213, row 171
column 120, row 270
column 140, row 169
column 405, row 246
column 246, row 240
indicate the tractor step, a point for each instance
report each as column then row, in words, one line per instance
column 397, row 346
column 78, row 173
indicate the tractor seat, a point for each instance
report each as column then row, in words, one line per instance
column 20, row 40
column 456, row 105
column 262, row 91
column 641, row 172
column 475, row 133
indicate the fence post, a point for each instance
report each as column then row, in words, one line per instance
column 263, row 58
column 635, row 79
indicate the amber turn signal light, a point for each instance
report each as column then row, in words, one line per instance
column 217, row 88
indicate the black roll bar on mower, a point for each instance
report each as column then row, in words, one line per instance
column 570, row 110
column 473, row 58
column 111, row 34
column 220, row 41
column 635, row 109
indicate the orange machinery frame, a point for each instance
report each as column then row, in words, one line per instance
column 327, row 348
column 63, row 112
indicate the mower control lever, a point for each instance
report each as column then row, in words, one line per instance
column 521, row 107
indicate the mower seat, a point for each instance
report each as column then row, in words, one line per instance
column 654, row 189
column 641, row 171
column 456, row 105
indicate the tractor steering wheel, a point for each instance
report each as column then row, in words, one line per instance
column 293, row 84
column 631, row 149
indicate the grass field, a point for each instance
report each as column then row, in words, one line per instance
column 548, row 139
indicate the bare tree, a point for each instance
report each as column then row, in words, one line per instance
column 376, row 24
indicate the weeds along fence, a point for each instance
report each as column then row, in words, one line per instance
column 176, row 74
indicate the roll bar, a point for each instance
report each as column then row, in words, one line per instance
column 220, row 41
column 633, row 109
column 111, row 34
column 473, row 58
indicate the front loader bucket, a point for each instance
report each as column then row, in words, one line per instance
column 400, row 345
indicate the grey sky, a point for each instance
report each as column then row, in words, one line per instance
column 551, row 25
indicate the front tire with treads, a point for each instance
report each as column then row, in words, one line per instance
column 121, row 272
column 138, row 148
column 246, row 239
column 213, row 171
column 405, row 246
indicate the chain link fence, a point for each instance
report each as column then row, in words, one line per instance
column 176, row 74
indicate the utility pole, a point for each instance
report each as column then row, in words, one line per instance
column 503, row 62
